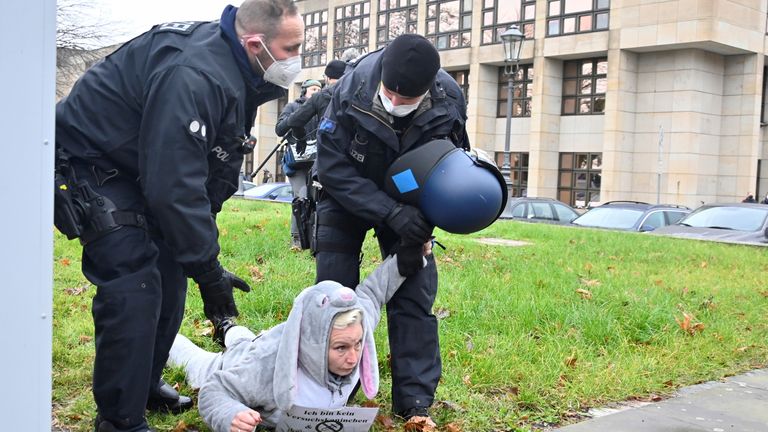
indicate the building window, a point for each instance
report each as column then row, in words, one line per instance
column 351, row 28
column 580, row 177
column 498, row 15
column 522, row 91
column 449, row 23
column 577, row 16
column 462, row 79
column 396, row 17
column 517, row 178
column 584, row 85
column 315, row 39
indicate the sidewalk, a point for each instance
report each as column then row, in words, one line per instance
column 737, row 404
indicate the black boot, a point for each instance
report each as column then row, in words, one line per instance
column 102, row 425
column 165, row 399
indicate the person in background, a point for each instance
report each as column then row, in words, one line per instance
column 150, row 143
column 392, row 101
column 749, row 199
column 304, row 117
column 297, row 172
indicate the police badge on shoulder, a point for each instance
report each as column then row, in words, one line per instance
column 183, row 27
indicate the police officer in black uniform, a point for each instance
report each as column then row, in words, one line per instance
column 151, row 141
column 394, row 100
column 296, row 172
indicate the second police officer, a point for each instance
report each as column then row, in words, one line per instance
column 394, row 100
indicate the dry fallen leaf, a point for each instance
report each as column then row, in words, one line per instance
column 452, row 427
column 586, row 295
column 703, row 264
column 420, row 424
column 588, row 266
column 467, row 380
column 64, row 261
column 386, row 422
column 256, row 274
column 570, row 361
column 658, row 282
column 181, row 426
column 76, row 290
column 205, row 331
column 84, row 339
column 688, row 325
column 442, row 313
column 590, row 282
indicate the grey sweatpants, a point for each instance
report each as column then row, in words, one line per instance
column 198, row 363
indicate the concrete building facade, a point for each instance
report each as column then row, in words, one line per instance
column 648, row 100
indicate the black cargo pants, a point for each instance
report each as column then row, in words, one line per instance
column 138, row 307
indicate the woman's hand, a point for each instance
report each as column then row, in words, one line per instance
column 245, row 421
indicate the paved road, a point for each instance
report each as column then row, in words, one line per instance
column 737, row 404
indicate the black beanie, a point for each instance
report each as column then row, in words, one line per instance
column 409, row 65
column 335, row 69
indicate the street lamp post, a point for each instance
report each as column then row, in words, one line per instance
column 512, row 39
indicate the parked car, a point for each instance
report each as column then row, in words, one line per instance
column 632, row 216
column 279, row 191
column 546, row 210
column 731, row 223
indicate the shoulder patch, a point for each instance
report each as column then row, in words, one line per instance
column 327, row 125
column 183, row 27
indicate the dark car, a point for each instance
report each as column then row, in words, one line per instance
column 731, row 223
column 279, row 191
column 547, row 210
column 632, row 216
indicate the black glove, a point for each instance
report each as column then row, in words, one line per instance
column 216, row 288
column 301, row 146
column 409, row 224
column 410, row 258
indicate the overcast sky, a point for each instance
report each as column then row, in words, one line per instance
column 124, row 19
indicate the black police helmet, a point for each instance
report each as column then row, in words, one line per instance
column 456, row 192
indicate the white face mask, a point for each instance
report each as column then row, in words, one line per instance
column 400, row 110
column 281, row 72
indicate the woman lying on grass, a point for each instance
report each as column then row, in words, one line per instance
column 313, row 359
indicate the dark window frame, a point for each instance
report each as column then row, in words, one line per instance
column 522, row 87
column 574, row 172
column 527, row 26
column 517, row 178
column 599, row 8
column 387, row 8
column 464, row 30
column 578, row 96
column 364, row 15
column 315, row 20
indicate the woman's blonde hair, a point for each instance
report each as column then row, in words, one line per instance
column 347, row 318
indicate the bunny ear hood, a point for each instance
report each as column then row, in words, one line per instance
column 305, row 338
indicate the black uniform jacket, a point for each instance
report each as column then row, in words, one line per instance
column 357, row 141
column 303, row 118
column 170, row 109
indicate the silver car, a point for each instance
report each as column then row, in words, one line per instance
column 730, row 223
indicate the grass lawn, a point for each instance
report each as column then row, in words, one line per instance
column 531, row 336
